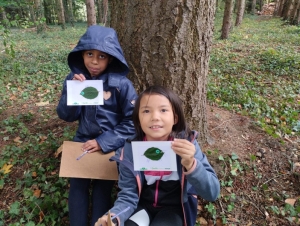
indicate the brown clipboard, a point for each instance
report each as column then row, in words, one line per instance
column 94, row 165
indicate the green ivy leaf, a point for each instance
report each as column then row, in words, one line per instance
column 15, row 208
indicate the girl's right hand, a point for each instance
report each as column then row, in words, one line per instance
column 79, row 77
column 102, row 221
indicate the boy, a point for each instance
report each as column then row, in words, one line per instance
column 98, row 56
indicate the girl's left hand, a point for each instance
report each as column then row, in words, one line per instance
column 91, row 146
column 186, row 150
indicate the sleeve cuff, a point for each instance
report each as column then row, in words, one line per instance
column 191, row 169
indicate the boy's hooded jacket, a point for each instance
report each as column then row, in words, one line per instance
column 200, row 180
column 110, row 124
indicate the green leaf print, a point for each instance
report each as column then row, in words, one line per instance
column 89, row 93
column 154, row 154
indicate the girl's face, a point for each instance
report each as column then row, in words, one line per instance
column 156, row 117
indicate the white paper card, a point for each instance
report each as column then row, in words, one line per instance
column 141, row 218
column 88, row 92
column 153, row 155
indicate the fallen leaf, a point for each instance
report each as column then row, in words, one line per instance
column 18, row 140
column 37, row 193
column 42, row 215
column 6, row 168
column 33, row 174
column 59, row 150
column 41, row 104
column 290, row 201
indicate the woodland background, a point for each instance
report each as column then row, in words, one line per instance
column 248, row 95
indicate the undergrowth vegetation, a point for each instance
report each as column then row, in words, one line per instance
column 256, row 73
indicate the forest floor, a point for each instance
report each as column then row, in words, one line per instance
column 266, row 172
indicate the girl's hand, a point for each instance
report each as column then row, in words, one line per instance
column 186, row 150
column 79, row 77
column 91, row 146
column 102, row 221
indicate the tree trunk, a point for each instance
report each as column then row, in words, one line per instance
column 240, row 12
column 90, row 12
column 40, row 25
column 286, row 10
column 61, row 14
column 99, row 10
column 70, row 12
column 253, row 7
column 105, row 12
column 168, row 43
column 227, row 18
column 295, row 13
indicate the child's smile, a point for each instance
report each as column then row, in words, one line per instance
column 156, row 117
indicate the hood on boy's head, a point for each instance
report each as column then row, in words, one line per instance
column 103, row 39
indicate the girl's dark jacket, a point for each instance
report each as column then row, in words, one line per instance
column 110, row 124
column 200, row 180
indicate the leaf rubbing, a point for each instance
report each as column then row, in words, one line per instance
column 154, row 154
column 89, row 93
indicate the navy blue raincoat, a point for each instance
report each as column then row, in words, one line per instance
column 110, row 124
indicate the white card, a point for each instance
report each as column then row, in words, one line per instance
column 153, row 156
column 88, row 92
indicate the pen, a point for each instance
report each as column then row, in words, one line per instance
column 84, row 153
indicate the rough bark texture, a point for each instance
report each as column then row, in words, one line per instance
column 227, row 19
column 90, row 12
column 286, row 9
column 240, row 12
column 70, row 12
column 168, row 43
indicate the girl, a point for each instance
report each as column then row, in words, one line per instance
column 101, row 128
column 160, row 197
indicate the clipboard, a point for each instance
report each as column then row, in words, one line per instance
column 94, row 165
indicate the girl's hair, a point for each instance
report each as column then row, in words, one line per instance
column 180, row 129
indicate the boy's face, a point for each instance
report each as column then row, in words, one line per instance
column 96, row 61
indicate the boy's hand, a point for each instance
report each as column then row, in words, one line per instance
column 79, row 77
column 186, row 150
column 91, row 146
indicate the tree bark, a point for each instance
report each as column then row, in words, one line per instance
column 61, row 14
column 90, row 12
column 168, row 43
column 286, row 9
column 227, row 18
column 240, row 12
column 295, row 13
column 253, row 7
column 70, row 12
column 105, row 12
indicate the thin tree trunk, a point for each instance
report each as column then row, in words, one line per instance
column 90, row 12
column 240, row 12
column 168, row 43
column 227, row 19
column 295, row 13
column 105, row 12
column 253, row 7
column 70, row 12
column 60, row 14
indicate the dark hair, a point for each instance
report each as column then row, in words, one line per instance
column 180, row 129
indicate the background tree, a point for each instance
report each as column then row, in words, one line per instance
column 227, row 19
column 90, row 12
column 70, row 12
column 253, row 7
column 168, row 43
column 240, row 12
column 61, row 14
